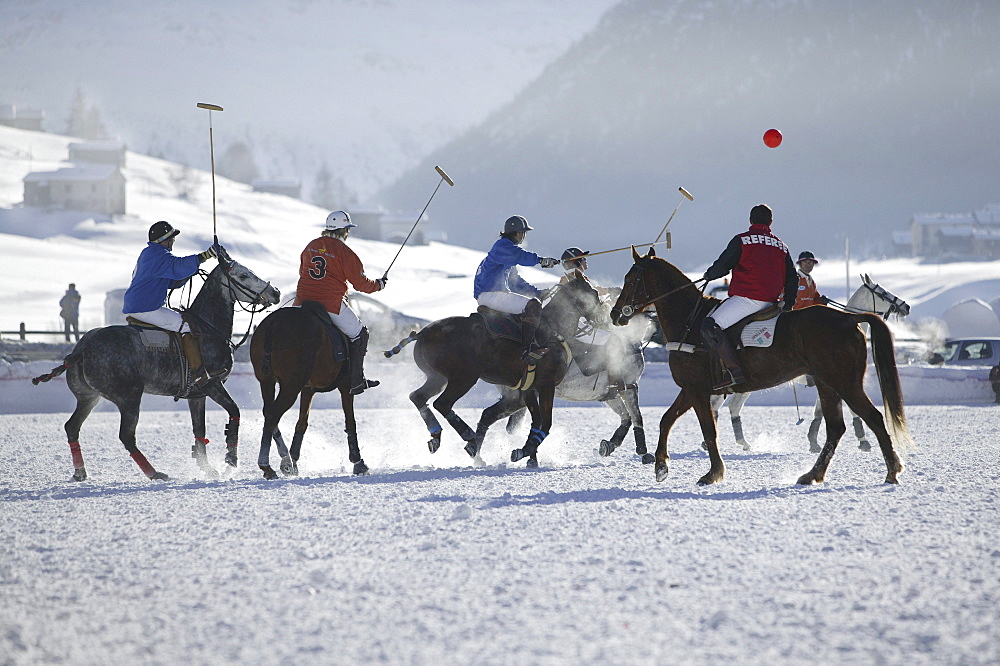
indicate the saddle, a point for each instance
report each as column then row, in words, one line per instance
column 500, row 324
column 761, row 336
column 158, row 340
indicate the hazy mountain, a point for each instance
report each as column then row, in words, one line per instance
column 888, row 108
column 366, row 87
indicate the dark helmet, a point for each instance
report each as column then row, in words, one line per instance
column 573, row 256
column 760, row 214
column 807, row 255
column 516, row 224
column 161, row 231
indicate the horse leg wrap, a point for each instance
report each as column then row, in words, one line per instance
column 199, row 449
column 74, row 451
column 433, row 427
column 530, row 448
column 143, row 464
column 279, row 443
column 233, row 431
column 814, row 430
column 640, row 439
column 460, row 426
column 859, row 428
column 353, row 450
column 296, row 449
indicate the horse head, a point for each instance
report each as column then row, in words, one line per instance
column 872, row 297
column 634, row 296
column 243, row 285
column 577, row 298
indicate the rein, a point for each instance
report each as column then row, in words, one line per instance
column 630, row 310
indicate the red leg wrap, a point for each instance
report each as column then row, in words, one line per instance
column 74, row 449
column 143, row 464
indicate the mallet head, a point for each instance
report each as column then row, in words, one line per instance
column 445, row 176
column 210, row 107
column 686, row 193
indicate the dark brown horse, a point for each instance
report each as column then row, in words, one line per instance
column 457, row 352
column 819, row 341
column 293, row 347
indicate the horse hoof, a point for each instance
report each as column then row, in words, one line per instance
column 745, row 444
column 606, row 448
column 434, row 443
column 269, row 473
column 472, row 448
column 648, row 459
column 159, row 476
column 661, row 471
column 532, row 462
column 288, row 466
column 864, row 445
column 360, row 468
column 704, row 446
column 80, row 474
column 814, row 448
column 806, row 479
column 516, row 454
column 231, row 456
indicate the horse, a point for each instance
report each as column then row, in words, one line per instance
column 295, row 348
column 624, row 355
column 456, row 352
column 869, row 297
column 114, row 363
column 818, row 341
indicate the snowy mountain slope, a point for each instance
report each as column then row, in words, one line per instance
column 366, row 87
column 265, row 232
column 887, row 110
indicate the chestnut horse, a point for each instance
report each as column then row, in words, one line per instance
column 818, row 341
column 293, row 347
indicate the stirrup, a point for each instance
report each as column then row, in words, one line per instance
column 736, row 376
column 364, row 385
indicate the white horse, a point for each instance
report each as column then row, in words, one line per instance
column 622, row 354
column 869, row 297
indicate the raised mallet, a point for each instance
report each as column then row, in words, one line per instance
column 211, row 147
column 687, row 195
column 444, row 179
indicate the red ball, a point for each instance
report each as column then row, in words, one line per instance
column 772, row 138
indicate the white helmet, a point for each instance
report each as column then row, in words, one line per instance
column 338, row 219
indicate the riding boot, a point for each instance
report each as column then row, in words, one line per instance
column 358, row 349
column 191, row 344
column 717, row 341
column 530, row 319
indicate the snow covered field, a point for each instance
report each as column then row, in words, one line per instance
column 429, row 560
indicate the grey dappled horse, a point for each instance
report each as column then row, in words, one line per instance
column 112, row 363
column 869, row 297
column 624, row 349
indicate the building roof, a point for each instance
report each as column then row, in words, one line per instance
column 85, row 173
column 109, row 146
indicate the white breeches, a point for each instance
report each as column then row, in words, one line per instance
column 347, row 321
column 504, row 301
column 165, row 318
column 735, row 308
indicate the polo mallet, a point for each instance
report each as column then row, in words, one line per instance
column 444, row 179
column 211, row 146
column 687, row 195
column 617, row 249
column 796, row 396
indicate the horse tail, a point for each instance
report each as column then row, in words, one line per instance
column 402, row 343
column 56, row 371
column 884, row 357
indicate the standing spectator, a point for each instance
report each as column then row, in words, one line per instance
column 995, row 381
column 70, row 312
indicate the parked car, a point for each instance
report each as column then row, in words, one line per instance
column 968, row 351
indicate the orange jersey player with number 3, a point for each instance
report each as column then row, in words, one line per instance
column 325, row 267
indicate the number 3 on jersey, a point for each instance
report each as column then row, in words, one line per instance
column 318, row 271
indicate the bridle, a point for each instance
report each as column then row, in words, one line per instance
column 896, row 305
column 627, row 311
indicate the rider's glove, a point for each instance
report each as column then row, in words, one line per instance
column 824, row 300
column 547, row 262
column 381, row 282
column 208, row 254
column 787, row 307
